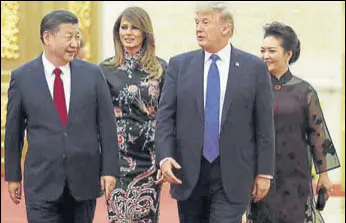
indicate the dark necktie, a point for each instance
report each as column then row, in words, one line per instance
column 59, row 96
column 211, row 113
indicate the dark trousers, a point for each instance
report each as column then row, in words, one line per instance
column 208, row 202
column 63, row 210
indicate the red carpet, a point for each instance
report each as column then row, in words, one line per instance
column 11, row 213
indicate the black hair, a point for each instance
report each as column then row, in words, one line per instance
column 289, row 38
column 52, row 20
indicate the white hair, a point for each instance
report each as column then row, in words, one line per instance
column 219, row 7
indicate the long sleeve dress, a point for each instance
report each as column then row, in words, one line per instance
column 135, row 100
column 302, row 138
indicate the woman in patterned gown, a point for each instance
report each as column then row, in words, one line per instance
column 301, row 137
column 135, row 77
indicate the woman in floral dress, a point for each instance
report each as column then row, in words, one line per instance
column 301, row 136
column 135, row 78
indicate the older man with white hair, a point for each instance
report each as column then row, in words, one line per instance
column 215, row 132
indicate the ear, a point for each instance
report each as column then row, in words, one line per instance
column 226, row 29
column 46, row 36
column 289, row 55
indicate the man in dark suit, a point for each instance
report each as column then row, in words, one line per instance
column 66, row 109
column 215, row 119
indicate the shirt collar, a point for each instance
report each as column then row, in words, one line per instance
column 49, row 67
column 224, row 54
column 287, row 76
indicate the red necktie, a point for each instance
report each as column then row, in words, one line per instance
column 59, row 96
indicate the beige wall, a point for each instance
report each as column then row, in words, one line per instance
column 318, row 25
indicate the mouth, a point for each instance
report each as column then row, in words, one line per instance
column 267, row 62
column 72, row 52
column 129, row 40
column 200, row 38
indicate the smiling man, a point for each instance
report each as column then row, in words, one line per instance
column 215, row 132
column 65, row 106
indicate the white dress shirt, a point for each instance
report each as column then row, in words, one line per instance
column 223, row 66
column 65, row 77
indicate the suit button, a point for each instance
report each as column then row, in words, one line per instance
column 65, row 134
column 64, row 156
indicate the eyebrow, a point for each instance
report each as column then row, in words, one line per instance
column 71, row 32
column 128, row 24
column 203, row 18
column 271, row 47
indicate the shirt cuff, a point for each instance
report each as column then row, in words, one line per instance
column 265, row 176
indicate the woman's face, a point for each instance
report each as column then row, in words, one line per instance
column 131, row 37
column 274, row 55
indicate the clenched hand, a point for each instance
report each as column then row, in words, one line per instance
column 108, row 185
column 15, row 191
column 260, row 188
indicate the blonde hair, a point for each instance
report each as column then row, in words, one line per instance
column 139, row 18
column 219, row 7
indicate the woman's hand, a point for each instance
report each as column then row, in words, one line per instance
column 324, row 181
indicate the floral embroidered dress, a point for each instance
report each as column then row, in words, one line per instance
column 301, row 137
column 135, row 99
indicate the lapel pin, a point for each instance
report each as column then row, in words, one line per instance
column 236, row 64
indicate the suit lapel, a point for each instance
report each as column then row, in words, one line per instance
column 41, row 82
column 232, row 83
column 197, row 66
column 75, row 79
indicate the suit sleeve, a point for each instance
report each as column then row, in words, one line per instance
column 166, row 115
column 108, row 136
column 14, row 134
column 264, row 122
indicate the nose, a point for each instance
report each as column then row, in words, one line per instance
column 265, row 55
column 128, row 31
column 198, row 27
column 75, row 42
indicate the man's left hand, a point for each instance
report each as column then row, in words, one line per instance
column 260, row 188
column 108, row 185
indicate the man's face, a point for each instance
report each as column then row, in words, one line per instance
column 209, row 31
column 63, row 44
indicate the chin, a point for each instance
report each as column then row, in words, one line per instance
column 202, row 44
column 131, row 47
column 270, row 68
column 69, row 59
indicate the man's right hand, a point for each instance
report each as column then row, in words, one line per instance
column 15, row 191
column 108, row 185
column 167, row 173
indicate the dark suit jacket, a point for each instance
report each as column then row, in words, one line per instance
column 247, row 129
column 80, row 152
